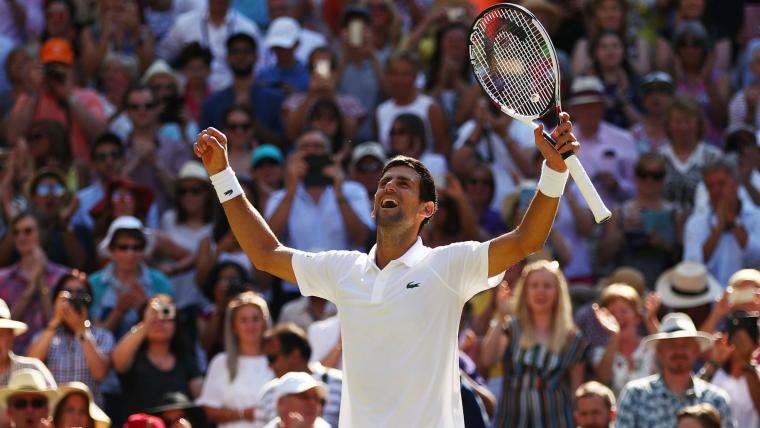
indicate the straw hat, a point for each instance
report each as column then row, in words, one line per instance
column 96, row 413
column 18, row 327
column 678, row 325
column 26, row 381
column 687, row 285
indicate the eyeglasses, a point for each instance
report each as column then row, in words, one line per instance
column 56, row 190
column 691, row 43
column 654, row 175
column 23, row 403
column 121, row 196
column 141, row 106
column 25, row 231
column 36, row 136
column 398, row 131
column 194, row 190
column 272, row 358
column 481, row 181
column 104, row 156
column 369, row 166
column 241, row 51
column 243, row 126
column 126, row 247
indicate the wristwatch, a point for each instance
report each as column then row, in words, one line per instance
column 86, row 334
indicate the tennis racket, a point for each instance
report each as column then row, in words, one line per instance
column 514, row 61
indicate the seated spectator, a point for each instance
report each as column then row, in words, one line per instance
column 654, row 401
column 699, row 415
column 644, row 231
column 232, row 375
column 267, row 171
column 177, row 411
column 298, row 397
column 27, row 399
column 303, row 311
column 225, row 280
column 366, row 166
column 121, row 196
column 739, row 295
column 122, row 288
column 20, row 71
column 407, row 137
column 742, row 109
column 689, row 288
column 656, row 91
column 70, row 345
column 11, row 363
column 195, row 64
column 725, row 237
column 27, row 284
column 289, row 351
column 479, row 187
column 56, row 97
column 455, row 220
column 594, row 406
column 241, row 141
column 287, row 74
column 76, row 408
column 152, row 359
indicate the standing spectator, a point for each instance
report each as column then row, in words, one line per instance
column 287, row 74
column 59, row 21
column 76, row 407
column 267, row 171
column 233, row 375
column 27, row 284
column 70, row 345
column 22, row 21
column 455, row 220
column 11, row 363
column 407, row 137
column 195, row 64
column 238, row 125
column 19, row 72
column 726, row 237
column 656, row 91
column 298, row 397
column 594, row 406
column 385, row 26
column 308, row 39
column 537, row 391
column 653, row 402
column 737, row 297
column 742, row 109
column 211, row 28
column 27, row 399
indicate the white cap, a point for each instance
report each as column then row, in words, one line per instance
column 283, row 33
column 193, row 169
column 296, row 383
column 369, row 148
column 125, row 222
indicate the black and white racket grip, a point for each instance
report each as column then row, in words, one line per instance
column 598, row 209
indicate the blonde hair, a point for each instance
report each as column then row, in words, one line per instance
column 620, row 291
column 562, row 322
column 596, row 389
column 230, row 340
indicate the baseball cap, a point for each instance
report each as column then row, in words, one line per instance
column 193, row 169
column 57, row 49
column 283, row 33
column 369, row 148
column 657, row 80
column 266, row 151
column 586, row 90
column 296, row 383
column 144, row 420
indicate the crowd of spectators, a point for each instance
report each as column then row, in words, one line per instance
column 126, row 299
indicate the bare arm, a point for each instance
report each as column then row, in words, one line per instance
column 124, row 352
column 493, row 346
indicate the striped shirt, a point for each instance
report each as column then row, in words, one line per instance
column 536, row 388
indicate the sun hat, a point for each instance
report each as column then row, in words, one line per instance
column 18, row 327
column 126, row 222
column 745, row 275
column 586, row 90
column 96, row 413
column 26, row 380
column 283, row 33
column 193, row 169
column 687, row 285
column 296, row 383
column 678, row 325
column 162, row 68
column 179, row 401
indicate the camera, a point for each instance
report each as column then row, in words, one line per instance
column 54, row 73
column 314, row 176
column 79, row 299
column 166, row 311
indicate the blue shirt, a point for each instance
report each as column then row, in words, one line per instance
column 296, row 76
column 265, row 101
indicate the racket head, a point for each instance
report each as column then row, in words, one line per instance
column 514, row 62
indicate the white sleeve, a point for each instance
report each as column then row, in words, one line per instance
column 317, row 274
column 467, row 264
column 175, row 39
column 360, row 203
column 212, row 393
column 695, row 234
column 273, row 202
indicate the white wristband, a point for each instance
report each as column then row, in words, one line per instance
column 226, row 185
column 552, row 183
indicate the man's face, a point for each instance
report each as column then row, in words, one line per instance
column 307, row 404
column 142, row 109
column 592, row 412
column 588, row 115
column 720, row 185
column 367, row 172
column 241, row 57
column 677, row 356
column 397, row 199
column 278, row 8
column 278, row 362
column 108, row 160
column 26, row 410
column 312, row 144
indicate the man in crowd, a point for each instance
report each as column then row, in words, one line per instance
column 298, row 397
column 28, row 399
column 594, row 406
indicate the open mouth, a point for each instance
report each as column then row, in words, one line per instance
column 388, row 203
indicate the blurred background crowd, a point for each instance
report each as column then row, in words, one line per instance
column 128, row 299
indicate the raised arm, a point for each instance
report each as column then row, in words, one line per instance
column 530, row 235
column 251, row 230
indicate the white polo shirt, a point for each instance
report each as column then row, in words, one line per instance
column 399, row 327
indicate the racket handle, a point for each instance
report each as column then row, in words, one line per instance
column 582, row 180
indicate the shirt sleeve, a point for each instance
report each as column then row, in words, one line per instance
column 752, row 252
column 212, row 392
column 467, row 264
column 695, row 234
column 360, row 203
column 626, row 409
column 318, row 274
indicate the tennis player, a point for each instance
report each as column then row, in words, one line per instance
column 399, row 305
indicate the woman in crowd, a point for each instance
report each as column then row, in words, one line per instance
column 479, row 187
column 656, row 92
column 455, row 219
column 227, row 393
column 537, row 391
column 195, row 64
column 152, row 359
column 76, row 408
column 71, row 347
column 326, row 116
column 238, row 127
column 225, row 281
column 407, row 137
column 59, row 21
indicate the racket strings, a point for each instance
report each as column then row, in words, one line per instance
column 513, row 62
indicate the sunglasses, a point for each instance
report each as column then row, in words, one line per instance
column 654, row 175
column 25, row 231
column 23, row 403
column 126, row 247
column 369, row 166
column 241, row 51
column 141, row 106
column 194, row 190
column 244, row 126
column 158, row 88
column 56, row 190
column 691, row 44
column 121, row 196
column 36, row 136
column 104, row 156
column 399, row 132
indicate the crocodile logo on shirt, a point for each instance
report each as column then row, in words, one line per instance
column 412, row 284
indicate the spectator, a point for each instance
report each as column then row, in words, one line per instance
column 367, row 161
column 407, row 137
column 226, row 280
column 308, row 39
column 303, row 311
column 625, row 358
column 56, row 97
column 232, row 375
column 455, row 220
column 27, row 283
column 686, row 154
column 724, row 238
column 289, row 351
column 689, row 288
column 267, row 172
column 656, row 91
column 699, row 415
column 238, row 125
column 195, row 64
column 298, row 397
column 402, row 69
column 739, row 295
column 287, row 74
column 542, row 324
column 479, row 189
column 653, row 401
column 212, row 28
column 645, row 232
column 121, row 289
column 70, row 345
column 152, row 359
column 49, row 147
column 19, row 71
column 385, row 27
column 174, row 117
column 594, row 406
column 121, row 197
column 245, row 89
column 59, row 21
column 11, row 363
column 76, row 408
column 327, row 117
column 118, row 73
column 178, row 411
column 118, row 27
column 742, row 109
column 27, row 399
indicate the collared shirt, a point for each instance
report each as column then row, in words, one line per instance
column 13, row 285
column 90, row 196
column 18, row 362
column 682, row 177
column 66, row 361
column 399, row 328
column 728, row 256
column 648, row 403
column 296, row 77
column 264, row 101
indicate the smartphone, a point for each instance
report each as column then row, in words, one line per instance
column 54, row 74
column 657, row 221
column 322, row 67
column 356, row 32
column 455, row 13
column 741, row 295
column 314, row 176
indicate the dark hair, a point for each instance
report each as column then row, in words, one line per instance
column 427, row 184
column 290, row 337
column 107, row 138
column 137, row 87
column 727, row 164
column 594, row 44
column 330, row 107
column 129, row 233
column 242, row 37
column 209, row 209
column 404, row 55
column 22, row 215
column 739, row 140
column 237, row 108
column 58, row 410
column 704, row 413
column 213, row 277
column 46, row 173
column 17, row 51
column 192, row 51
column 415, row 126
column 435, row 61
column 322, row 50
column 686, row 104
column 58, row 138
column 179, row 345
column 74, row 274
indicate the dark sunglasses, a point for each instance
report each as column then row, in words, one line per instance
column 56, row 190
column 36, row 136
column 143, row 106
column 239, row 126
column 157, row 87
column 127, row 247
column 25, row 231
column 369, row 166
column 654, row 175
column 104, row 156
column 23, row 403
column 241, row 51
column 692, row 43
column 399, row 132
column 194, row 190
